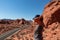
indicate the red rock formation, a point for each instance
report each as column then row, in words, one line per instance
column 24, row 34
column 22, row 21
column 6, row 25
column 51, row 20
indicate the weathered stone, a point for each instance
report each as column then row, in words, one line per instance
column 51, row 20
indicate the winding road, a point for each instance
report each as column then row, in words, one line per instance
column 7, row 34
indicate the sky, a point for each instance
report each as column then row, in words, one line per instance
column 17, row 9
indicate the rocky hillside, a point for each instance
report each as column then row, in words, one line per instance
column 23, row 34
column 6, row 25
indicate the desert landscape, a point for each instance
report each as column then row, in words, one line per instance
column 51, row 22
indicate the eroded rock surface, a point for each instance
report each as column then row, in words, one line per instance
column 51, row 20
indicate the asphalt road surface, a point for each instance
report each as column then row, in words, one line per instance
column 7, row 34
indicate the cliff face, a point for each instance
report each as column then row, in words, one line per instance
column 51, row 20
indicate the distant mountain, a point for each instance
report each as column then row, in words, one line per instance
column 6, row 19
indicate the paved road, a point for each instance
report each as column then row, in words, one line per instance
column 5, row 35
column 9, row 33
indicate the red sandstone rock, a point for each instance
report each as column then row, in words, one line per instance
column 6, row 25
column 51, row 20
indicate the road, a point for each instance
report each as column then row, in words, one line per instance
column 7, row 34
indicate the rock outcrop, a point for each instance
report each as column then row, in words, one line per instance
column 6, row 25
column 51, row 20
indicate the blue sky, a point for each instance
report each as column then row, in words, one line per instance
column 17, row 9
